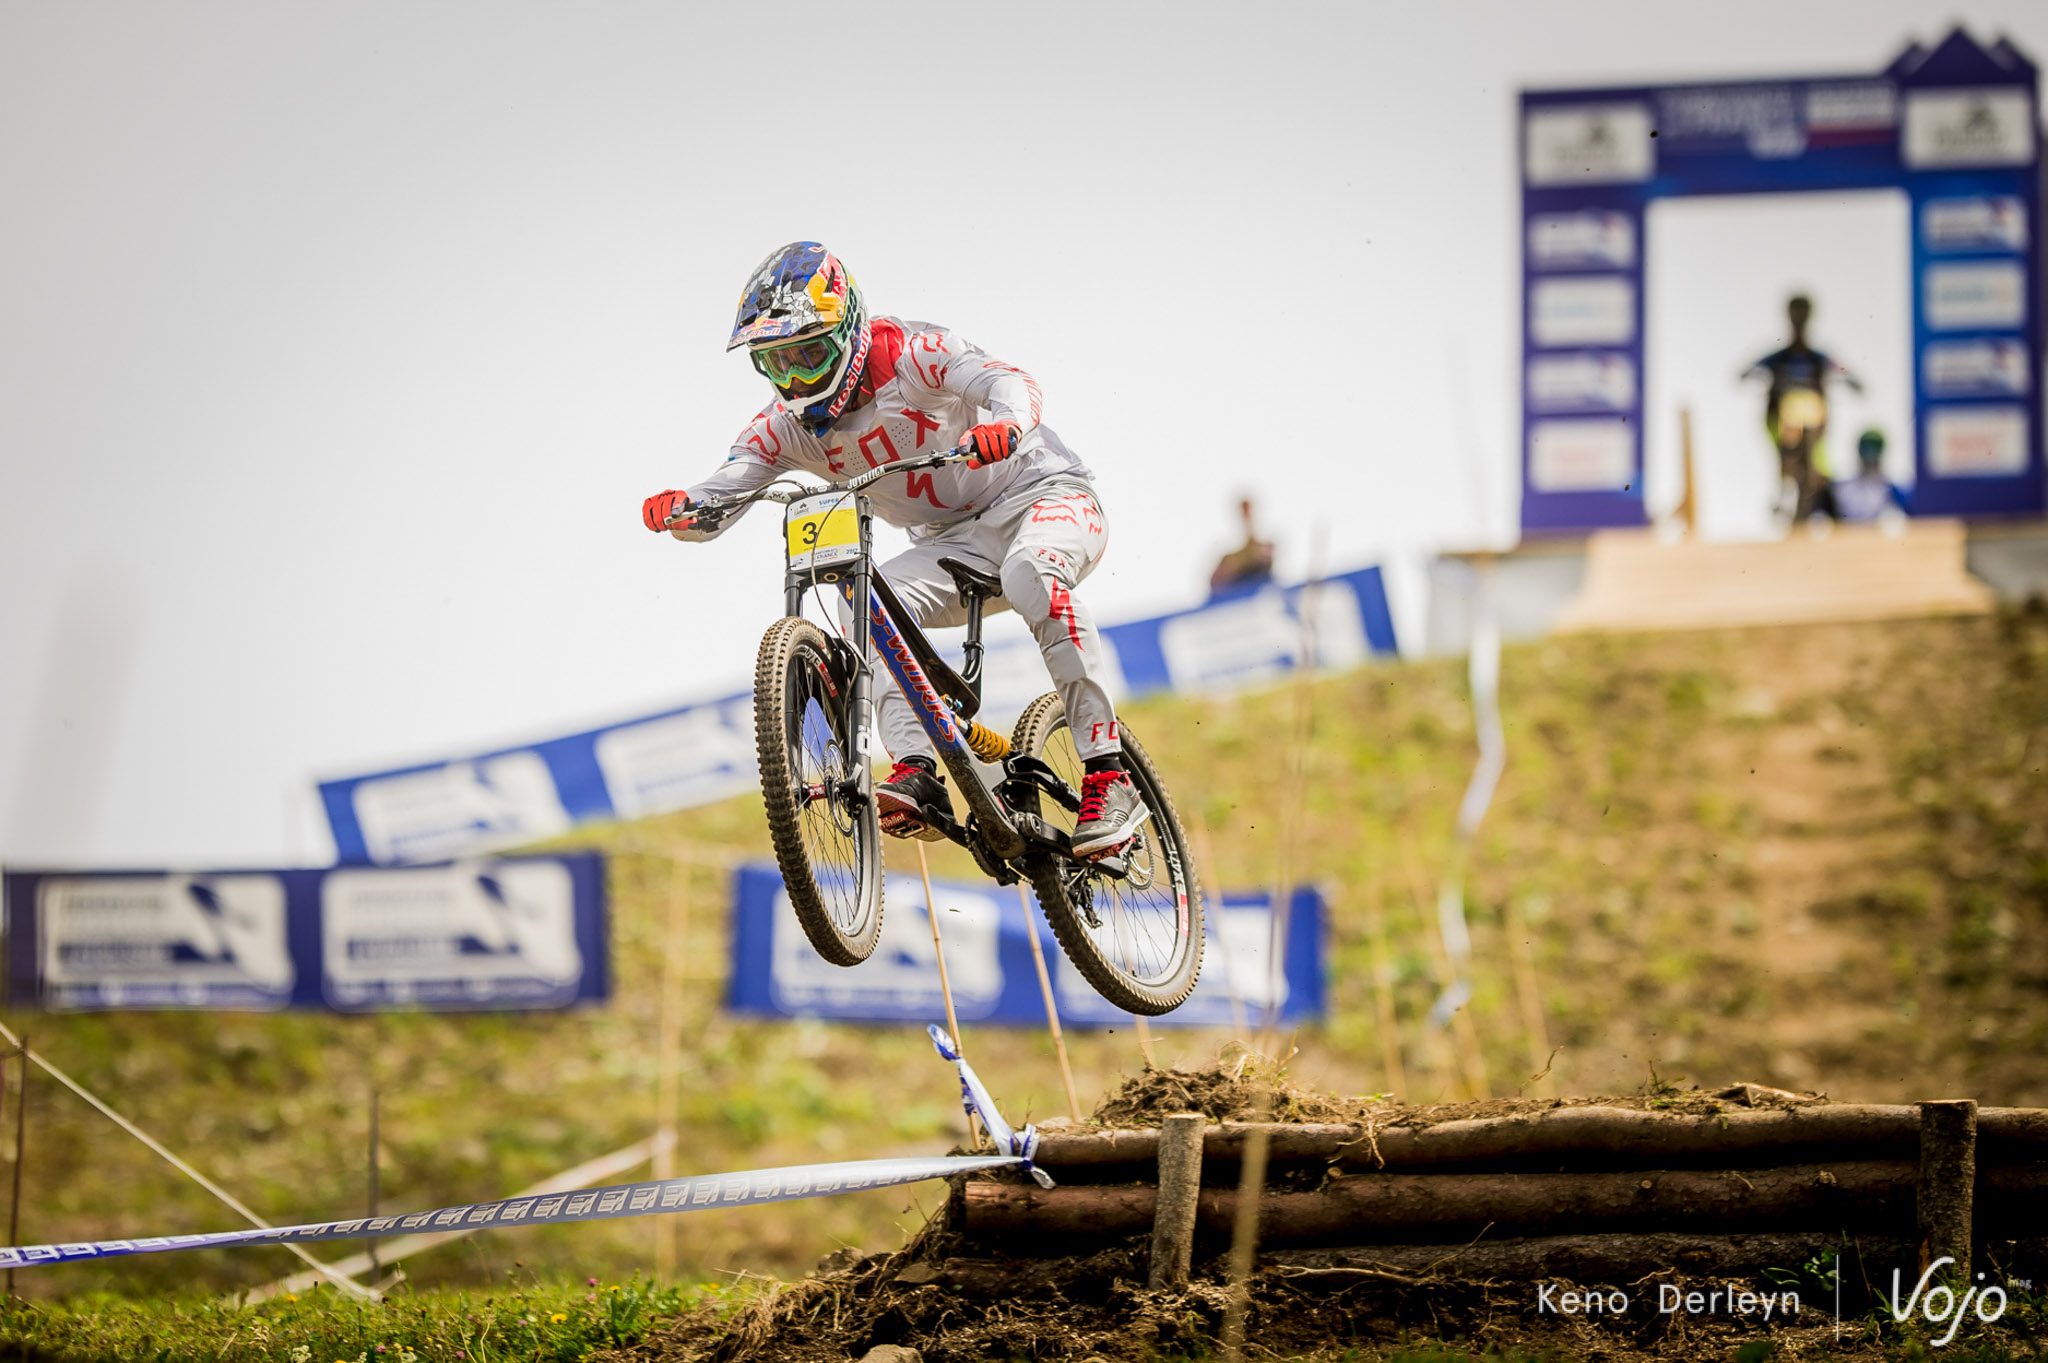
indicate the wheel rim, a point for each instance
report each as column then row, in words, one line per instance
column 832, row 828
column 1138, row 924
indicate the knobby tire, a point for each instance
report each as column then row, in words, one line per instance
column 795, row 658
column 1042, row 721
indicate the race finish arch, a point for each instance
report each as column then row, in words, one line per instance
column 1953, row 127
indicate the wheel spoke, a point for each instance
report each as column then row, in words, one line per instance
column 1137, row 923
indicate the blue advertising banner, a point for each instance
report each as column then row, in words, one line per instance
column 515, row 933
column 696, row 754
column 776, row 973
column 1956, row 128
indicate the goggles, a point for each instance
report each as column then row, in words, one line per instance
column 798, row 363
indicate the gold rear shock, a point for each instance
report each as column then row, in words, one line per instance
column 987, row 744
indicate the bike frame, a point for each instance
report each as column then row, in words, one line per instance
column 883, row 639
column 996, row 833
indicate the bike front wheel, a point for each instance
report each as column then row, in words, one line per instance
column 820, row 817
column 1137, row 939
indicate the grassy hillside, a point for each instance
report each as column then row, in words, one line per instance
column 1811, row 858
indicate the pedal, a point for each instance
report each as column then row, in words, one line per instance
column 902, row 823
column 1110, row 860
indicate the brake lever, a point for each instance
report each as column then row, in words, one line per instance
column 704, row 516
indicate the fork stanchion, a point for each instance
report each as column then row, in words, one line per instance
column 1052, row 1012
column 931, row 911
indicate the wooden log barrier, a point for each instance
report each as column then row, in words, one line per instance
column 1585, row 1137
column 1877, row 1195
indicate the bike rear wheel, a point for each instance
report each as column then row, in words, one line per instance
column 1137, row 940
column 827, row 842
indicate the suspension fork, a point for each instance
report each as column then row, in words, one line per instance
column 859, row 783
column 860, row 714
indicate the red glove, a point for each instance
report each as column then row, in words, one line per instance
column 993, row 442
column 656, row 510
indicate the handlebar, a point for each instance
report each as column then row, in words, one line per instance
column 784, row 491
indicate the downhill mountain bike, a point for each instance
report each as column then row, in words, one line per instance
column 1130, row 920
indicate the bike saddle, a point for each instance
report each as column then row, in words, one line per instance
column 971, row 581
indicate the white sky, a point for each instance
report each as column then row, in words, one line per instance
column 339, row 343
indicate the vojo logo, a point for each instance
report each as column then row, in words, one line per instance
column 1968, row 127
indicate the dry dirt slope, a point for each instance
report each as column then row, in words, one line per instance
column 1812, row 858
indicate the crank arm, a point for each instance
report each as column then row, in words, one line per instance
column 1025, row 775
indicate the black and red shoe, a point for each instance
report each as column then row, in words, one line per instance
column 902, row 801
column 1111, row 813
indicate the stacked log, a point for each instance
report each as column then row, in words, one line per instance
column 1570, row 1188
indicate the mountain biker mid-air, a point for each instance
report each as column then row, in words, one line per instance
column 856, row 392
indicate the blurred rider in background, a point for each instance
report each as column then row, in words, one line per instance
column 1796, row 410
column 1869, row 496
column 855, row 392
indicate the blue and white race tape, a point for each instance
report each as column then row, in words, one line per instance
column 693, row 1193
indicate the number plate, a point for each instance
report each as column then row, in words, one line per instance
column 824, row 531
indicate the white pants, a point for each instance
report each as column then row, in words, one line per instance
column 1040, row 540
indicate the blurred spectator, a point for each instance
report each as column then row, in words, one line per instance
column 1869, row 496
column 1247, row 566
column 1796, row 411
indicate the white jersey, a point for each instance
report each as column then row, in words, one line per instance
column 938, row 385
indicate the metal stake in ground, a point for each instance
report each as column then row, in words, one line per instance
column 931, row 911
column 1052, row 1012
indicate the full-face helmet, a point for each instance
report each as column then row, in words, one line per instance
column 806, row 330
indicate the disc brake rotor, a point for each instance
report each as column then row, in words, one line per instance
column 1138, row 858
